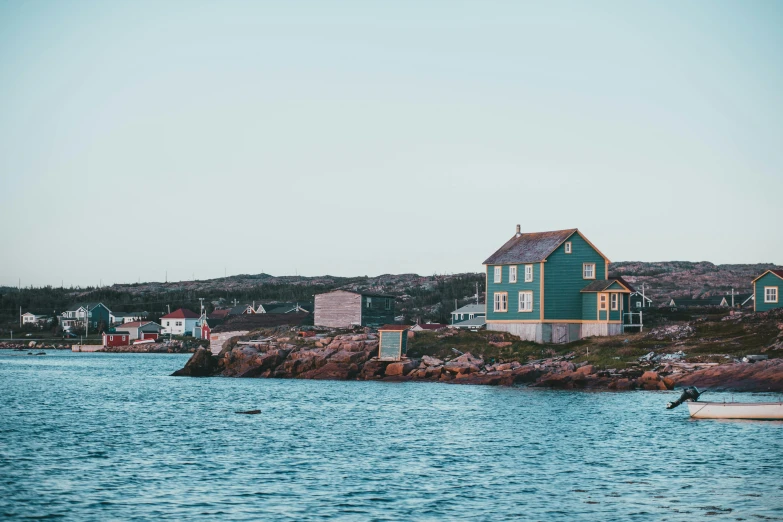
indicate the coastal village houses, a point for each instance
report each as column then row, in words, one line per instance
column 344, row 308
column 767, row 291
column 89, row 315
column 179, row 322
column 553, row 287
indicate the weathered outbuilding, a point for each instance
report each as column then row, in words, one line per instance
column 344, row 308
column 393, row 343
column 116, row 339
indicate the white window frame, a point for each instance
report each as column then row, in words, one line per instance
column 584, row 271
column 529, row 302
column 498, row 274
column 388, row 303
column 501, row 302
column 614, row 301
column 568, row 249
column 528, row 273
column 603, row 302
column 369, row 302
column 774, row 291
column 512, row 274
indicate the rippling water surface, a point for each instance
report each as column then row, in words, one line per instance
column 105, row 436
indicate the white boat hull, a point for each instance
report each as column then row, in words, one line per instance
column 736, row 410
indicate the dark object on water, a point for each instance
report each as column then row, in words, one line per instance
column 249, row 412
column 689, row 394
column 41, row 353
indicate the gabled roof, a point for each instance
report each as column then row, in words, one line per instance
column 646, row 298
column 394, row 327
column 775, row 271
column 239, row 309
column 471, row 309
column 600, row 286
column 135, row 324
column 182, row 313
column 219, row 314
column 625, row 283
column 365, row 294
column 533, row 247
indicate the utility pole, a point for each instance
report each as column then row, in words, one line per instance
column 643, row 299
column 168, row 309
column 235, row 301
column 477, row 294
column 201, row 300
column 20, row 317
column 732, row 298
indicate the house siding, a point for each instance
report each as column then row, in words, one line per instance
column 563, row 280
column 513, row 290
column 769, row 279
column 375, row 313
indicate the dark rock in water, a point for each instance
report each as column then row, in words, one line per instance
column 249, row 412
column 201, row 364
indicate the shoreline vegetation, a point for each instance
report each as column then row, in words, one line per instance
column 709, row 351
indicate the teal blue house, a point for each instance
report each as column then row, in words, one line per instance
column 766, row 291
column 553, row 287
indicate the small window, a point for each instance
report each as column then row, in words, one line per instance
column 168, row 323
column 369, row 302
column 388, row 304
column 525, row 301
column 501, row 301
column 512, row 274
column 602, row 301
column 498, row 274
column 528, row 273
column 111, row 337
column 638, row 304
column 588, row 271
column 615, row 302
column 568, row 247
column 770, row 294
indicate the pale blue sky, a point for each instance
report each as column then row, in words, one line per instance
column 354, row 138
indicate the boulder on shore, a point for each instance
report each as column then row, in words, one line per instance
column 201, row 364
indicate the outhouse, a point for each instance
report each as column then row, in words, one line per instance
column 393, row 344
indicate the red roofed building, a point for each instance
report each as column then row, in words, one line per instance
column 179, row 322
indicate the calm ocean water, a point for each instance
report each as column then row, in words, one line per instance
column 105, row 436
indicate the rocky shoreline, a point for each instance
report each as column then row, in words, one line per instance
column 352, row 357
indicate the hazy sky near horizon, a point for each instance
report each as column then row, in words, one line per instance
column 361, row 138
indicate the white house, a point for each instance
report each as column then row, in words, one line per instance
column 179, row 322
column 31, row 318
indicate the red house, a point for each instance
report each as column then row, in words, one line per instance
column 205, row 330
column 116, row 339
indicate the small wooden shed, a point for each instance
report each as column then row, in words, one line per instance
column 393, row 344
